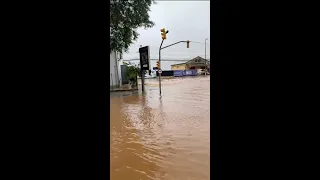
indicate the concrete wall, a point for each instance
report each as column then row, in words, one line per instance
column 115, row 76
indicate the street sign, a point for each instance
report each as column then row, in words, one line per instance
column 144, row 58
column 159, row 71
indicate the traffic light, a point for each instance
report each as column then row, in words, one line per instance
column 188, row 43
column 163, row 33
column 158, row 64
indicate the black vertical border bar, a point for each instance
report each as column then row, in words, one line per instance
column 255, row 89
column 217, row 38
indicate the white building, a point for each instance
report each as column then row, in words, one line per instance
column 115, row 72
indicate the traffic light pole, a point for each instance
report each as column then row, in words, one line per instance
column 205, row 56
column 160, row 66
column 160, row 58
column 171, row 44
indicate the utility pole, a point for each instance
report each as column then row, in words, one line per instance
column 164, row 36
column 205, row 55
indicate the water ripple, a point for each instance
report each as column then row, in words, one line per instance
column 162, row 138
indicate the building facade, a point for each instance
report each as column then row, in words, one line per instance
column 181, row 66
column 195, row 63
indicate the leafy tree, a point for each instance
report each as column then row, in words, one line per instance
column 125, row 17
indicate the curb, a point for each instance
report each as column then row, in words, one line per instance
column 122, row 90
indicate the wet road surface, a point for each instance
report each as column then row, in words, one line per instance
column 161, row 138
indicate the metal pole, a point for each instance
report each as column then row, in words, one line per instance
column 160, row 67
column 142, row 79
column 205, row 55
column 173, row 44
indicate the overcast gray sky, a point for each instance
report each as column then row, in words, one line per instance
column 185, row 20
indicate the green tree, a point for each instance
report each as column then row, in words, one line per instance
column 125, row 17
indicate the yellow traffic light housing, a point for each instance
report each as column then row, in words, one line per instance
column 163, row 33
column 158, row 64
column 188, row 43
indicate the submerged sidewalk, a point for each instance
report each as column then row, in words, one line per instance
column 123, row 88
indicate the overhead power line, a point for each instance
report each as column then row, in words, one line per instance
column 200, row 42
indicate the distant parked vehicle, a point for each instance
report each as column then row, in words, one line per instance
column 202, row 72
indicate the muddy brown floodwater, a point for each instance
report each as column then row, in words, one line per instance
column 162, row 138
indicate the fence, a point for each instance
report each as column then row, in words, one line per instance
column 166, row 73
column 179, row 73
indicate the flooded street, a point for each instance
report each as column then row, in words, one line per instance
column 161, row 138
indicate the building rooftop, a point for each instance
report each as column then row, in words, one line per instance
column 178, row 64
column 196, row 60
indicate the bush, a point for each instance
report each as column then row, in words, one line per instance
column 132, row 74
